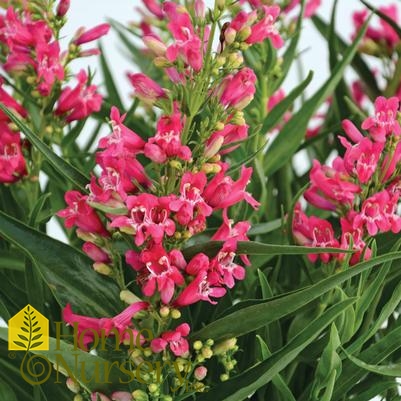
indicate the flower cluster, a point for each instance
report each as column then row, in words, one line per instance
column 37, row 66
column 157, row 194
column 362, row 187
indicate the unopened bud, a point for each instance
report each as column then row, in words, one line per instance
column 140, row 395
column 244, row 34
column 78, row 397
column 214, row 147
column 220, row 61
column 162, row 62
column 175, row 164
column 200, row 373
column 229, row 35
column 225, row 346
column 153, row 387
column 211, row 168
column 121, row 396
column 30, row 80
column 102, row 268
column 224, row 377
column 235, row 60
column 164, row 311
column 128, row 297
column 197, row 345
column 49, row 129
column 238, row 117
column 221, row 4
column 175, row 314
column 73, row 386
column 155, row 45
column 207, row 352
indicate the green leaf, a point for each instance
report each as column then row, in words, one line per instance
column 112, row 92
column 384, row 370
column 67, row 272
column 257, row 248
column 64, row 168
column 352, row 374
column 241, row 386
column 6, row 392
column 293, row 132
column 265, row 228
column 261, row 313
column 274, row 117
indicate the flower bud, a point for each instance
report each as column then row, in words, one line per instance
column 224, row 377
column 229, row 35
column 63, row 7
column 207, row 353
column 214, row 147
column 153, row 387
column 164, row 311
column 244, row 34
column 155, row 45
column 72, row 385
column 128, row 297
column 225, row 346
column 140, row 395
column 175, row 314
column 121, row 396
column 162, row 62
column 197, row 345
column 221, row 4
column 200, row 373
column 78, row 397
column 102, row 268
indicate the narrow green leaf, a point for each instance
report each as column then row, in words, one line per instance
column 384, row 370
column 6, row 392
column 274, row 117
column 64, row 168
column 241, row 386
column 257, row 248
column 293, row 132
column 265, row 228
column 261, row 313
column 112, row 92
column 67, row 272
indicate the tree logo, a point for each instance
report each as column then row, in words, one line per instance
column 28, row 330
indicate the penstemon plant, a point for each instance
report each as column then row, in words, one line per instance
column 199, row 262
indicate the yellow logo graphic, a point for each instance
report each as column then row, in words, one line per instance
column 28, row 330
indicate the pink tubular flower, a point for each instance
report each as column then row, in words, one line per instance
column 122, row 139
column 385, row 121
column 200, row 289
column 160, row 269
column 167, row 141
column 92, row 34
column 266, row 28
column 145, row 88
column 314, row 232
column 99, row 397
column 331, row 187
column 80, row 102
column 12, row 162
column 191, row 201
column 121, row 396
column 9, row 102
column 238, row 90
column 48, row 66
column 149, row 217
column 229, row 134
column 175, row 340
column 80, row 214
column 311, row 7
column 361, row 159
column 200, row 372
column 223, row 270
column 222, row 191
column 122, row 322
column 378, row 214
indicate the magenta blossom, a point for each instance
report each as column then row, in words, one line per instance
column 175, row 340
column 91, row 34
column 145, row 88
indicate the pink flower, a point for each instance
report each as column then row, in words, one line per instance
column 160, row 269
column 200, row 373
column 200, row 289
column 385, row 121
column 122, row 138
column 121, row 396
column 175, row 340
column 311, row 7
column 314, row 232
column 80, row 214
column 9, row 102
column 191, row 202
column 229, row 134
column 12, row 162
column 167, row 141
column 238, row 90
column 361, row 159
column 48, row 66
column 266, row 28
column 149, row 217
column 80, row 102
column 222, row 191
column 378, row 214
column 92, row 34
column 154, row 7
column 95, row 253
column 122, row 322
column 331, row 187
column 99, row 397
column 145, row 88
column 223, row 270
